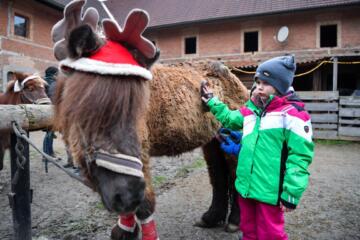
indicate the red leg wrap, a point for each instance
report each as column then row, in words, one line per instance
column 149, row 231
column 127, row 222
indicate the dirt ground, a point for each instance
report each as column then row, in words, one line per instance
column 62, row 208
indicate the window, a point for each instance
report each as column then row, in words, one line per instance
column 251, row 41
column 190, row 45
column 328, row 35
column 21, row 26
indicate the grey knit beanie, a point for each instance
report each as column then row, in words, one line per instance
column 278, row 72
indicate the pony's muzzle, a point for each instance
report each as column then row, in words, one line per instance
column 121, row 180
column 129, row 200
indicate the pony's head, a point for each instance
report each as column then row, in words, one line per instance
column 102, row 96
column 29, row 89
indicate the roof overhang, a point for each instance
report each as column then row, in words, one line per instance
column 53, row 4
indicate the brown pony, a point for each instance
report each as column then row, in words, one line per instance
column 110, row 121
column 23, row 89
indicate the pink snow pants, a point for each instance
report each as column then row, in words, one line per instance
column 261, row 221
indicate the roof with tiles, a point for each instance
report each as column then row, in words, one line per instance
column 173, row 12
column 176, row 12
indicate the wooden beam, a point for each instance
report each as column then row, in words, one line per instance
column 324, row 126
column 351, row 101
column 322, row 106
column 324, row 118
column 28, row 116
column 349, row 112
column 326, row 134
column 318, row 95
column 349, row 121
column 349, row 131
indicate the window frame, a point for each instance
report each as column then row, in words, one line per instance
column 338, row 33
column 243, row 39
column 196, row 36
column 30, row 26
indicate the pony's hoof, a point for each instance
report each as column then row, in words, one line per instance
column 119, row 234
column 202, row 224
column 231, row 228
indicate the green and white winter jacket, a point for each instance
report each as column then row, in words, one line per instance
column 277, row 148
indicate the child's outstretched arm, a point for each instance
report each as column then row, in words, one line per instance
column 228, row 118
column 300, row 154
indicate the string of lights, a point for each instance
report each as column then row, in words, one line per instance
column 299, row 74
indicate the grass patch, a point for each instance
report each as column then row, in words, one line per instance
column 100, row 206
column 332, row 142
column 197, row 164
column 158, row 180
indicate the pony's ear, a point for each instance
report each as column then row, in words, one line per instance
column 83, row 42
column 19, row 76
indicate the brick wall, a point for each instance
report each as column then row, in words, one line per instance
column 33, row 53
column 225, row 39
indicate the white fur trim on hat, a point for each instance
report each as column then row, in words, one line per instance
column 94, row 66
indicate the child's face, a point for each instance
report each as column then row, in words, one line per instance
column 263, row 89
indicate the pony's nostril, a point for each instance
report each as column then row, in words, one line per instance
column 118, row 200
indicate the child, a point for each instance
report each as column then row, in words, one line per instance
column 276, row 151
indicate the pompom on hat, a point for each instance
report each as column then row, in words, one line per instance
column 279, row 72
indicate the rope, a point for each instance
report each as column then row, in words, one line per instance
column 20, row 160
column 300, row 74
column 20, row 133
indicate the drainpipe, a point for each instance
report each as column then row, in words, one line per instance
column 335, row 73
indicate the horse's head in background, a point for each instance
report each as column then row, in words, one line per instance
column 22, row 89
column 100, row 98
column 25, row 89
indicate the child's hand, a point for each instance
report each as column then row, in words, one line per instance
column 285, row 209
column 206, row 92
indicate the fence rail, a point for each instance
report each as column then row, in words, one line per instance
column 333, row 116
column 349, row 117
column 28, row 116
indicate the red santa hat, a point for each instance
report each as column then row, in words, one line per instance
column 111, row 59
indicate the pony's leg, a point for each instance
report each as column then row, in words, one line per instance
column 126, row 228
column 218, row 174
column 4, row 144
column 144, row 213
column 146, row 210
column 2, row 153
column 234, row 216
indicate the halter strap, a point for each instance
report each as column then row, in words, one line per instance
column 19, row 86
column 119, row 163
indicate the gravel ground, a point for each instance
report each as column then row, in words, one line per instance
column 64, row 209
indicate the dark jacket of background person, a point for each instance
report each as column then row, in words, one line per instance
column 50, row 78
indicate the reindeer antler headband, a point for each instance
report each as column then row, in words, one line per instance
column 109, row 56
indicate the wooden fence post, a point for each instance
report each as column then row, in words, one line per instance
column 20, row 196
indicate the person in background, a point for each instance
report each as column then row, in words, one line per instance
column 277, row 148
column 50, row 78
